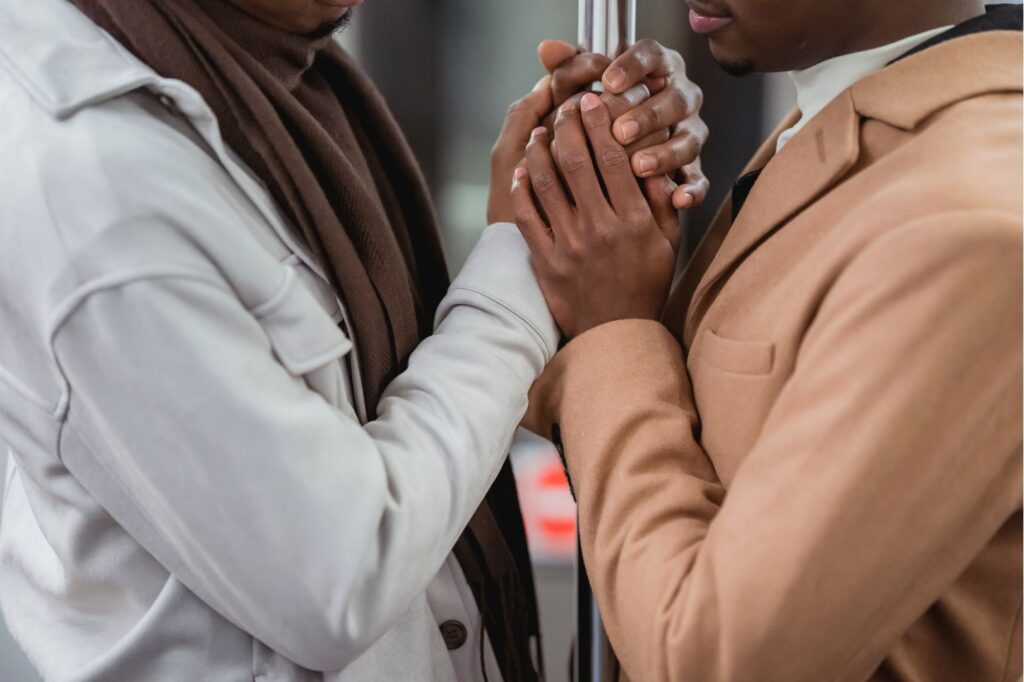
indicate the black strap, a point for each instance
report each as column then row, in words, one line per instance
column 996, row 18
column 742, row 189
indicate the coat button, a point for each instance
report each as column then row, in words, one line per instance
column 454, row 634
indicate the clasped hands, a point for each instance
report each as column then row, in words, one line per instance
column 590, row 180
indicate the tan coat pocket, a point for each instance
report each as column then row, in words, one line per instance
column 738, row 357
column 733, row 389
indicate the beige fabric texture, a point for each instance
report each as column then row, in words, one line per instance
column 815, row 472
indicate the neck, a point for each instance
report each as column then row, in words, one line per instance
column 886, row 21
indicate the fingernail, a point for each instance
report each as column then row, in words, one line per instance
column 629, row 129
column 686, row 201
column 565, row 108
column 542, row 83
column 615, row 78
column 590, row 102
column 538, row 131
column 646, row 163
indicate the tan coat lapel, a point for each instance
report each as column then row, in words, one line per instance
column 808, row 166
column 816, row 159
column 686, row 284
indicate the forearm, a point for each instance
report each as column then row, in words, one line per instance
column 646, row 492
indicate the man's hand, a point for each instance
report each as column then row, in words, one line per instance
column 523, row 116
column 603, row 258
column 674, row 106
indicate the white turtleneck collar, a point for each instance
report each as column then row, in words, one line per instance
column 818, row 85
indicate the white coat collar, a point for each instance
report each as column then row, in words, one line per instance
column 63, row 59
column 67, row 63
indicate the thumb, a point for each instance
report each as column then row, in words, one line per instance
column 659, row 191
column 523, row 116
column 552, row 53
column 526, row 114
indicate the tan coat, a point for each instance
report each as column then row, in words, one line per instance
column 826, row 483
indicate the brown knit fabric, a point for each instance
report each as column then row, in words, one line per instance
column 312, row 127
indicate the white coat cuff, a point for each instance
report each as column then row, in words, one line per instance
column 499, row 269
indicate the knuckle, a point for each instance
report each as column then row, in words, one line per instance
column 689, row 145
column 692, row 172
column 561, row 85
column 696, row 146
column 516, row 109
column 562, row 267
column 566, row 66
column 674, row 61
column 597, row 120
column 575, row 252
column 648, row 45
column 573, row 163
column 564, row 119
column 637, row 217
column 654, row 118
column 614, row 158
column 543, row 183
column 616, row 104
column 644, row 218
column 603, row 238
column 701, row 131
column 698, row 96
column 615, row 101
column 680, row 102
column 683, row 149
column 649, row 54
column 665, row 160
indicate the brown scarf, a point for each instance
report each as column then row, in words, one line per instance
column 312, row 127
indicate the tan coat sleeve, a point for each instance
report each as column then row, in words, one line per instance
column 890, row 459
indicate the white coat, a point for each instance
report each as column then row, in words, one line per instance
column 194, row 492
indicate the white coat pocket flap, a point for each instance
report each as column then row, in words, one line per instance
column 301, row 333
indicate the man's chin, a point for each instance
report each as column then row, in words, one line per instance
column 732, row 64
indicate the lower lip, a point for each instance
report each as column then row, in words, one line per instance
column 702, row 24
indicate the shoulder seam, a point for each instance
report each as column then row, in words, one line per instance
column 63, row 312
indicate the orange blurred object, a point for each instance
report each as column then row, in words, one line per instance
column 549, row 511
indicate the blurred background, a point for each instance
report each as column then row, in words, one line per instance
column 449, row 69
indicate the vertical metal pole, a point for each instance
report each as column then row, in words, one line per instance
column 606, row 27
